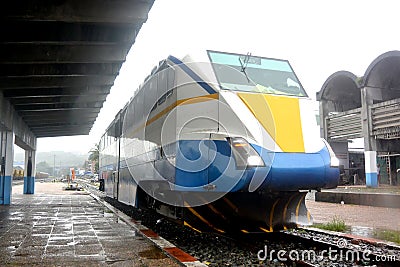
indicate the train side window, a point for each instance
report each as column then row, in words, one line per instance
column 161, row 99
column 170, row 92
column 154, row 107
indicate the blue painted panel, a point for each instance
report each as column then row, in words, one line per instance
column 220, row 162
column 29, row 185
column 25, row 185
column 201, row 162
column 332, row 174
column 223, row 171
column 294, row 171
column 7, row 190
column 33, row 184
column 191, row 163
column 31, row 181
column 371, row 179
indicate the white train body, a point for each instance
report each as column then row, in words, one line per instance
column 213, row 125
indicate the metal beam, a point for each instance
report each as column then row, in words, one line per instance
column 60, row 69
column 63, row 53
column 57, row 114
column 59, row 59
column 59, row 124
column 60, row 128
column 26, row 82
column 59, row 106
column 54, row 121
column 63, row 133
column 95, row 11
column 57, row 99
column 57, row 134
column 10, row 120
column 60, row 31
column 55, row 108
column 58, row 91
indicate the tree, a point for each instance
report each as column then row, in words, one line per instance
column 94, row 157
column 43, row 166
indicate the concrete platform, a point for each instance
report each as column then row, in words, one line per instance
column 383, row 196
column 68, row 228
column 355, row 215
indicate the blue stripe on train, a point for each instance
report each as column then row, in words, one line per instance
column 284, row 171
column 199, row 163
column 192, row 74
column 294, row 171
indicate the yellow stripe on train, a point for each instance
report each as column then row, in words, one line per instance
column 280, row 117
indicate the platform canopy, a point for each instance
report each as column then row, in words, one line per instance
column 59, row 58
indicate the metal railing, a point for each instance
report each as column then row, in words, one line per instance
column 342, row 126
column 386, row 119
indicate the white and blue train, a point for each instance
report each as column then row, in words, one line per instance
column 221, row 141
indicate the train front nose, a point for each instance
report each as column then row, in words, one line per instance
column 298, row 171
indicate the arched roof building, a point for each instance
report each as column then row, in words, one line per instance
column 368, row 107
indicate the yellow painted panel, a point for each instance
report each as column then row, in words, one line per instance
column 280, row 116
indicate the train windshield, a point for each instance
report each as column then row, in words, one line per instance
column 255, row 74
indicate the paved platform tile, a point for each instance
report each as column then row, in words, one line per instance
column 69, row 230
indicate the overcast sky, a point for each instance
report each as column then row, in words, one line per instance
column 317, row 37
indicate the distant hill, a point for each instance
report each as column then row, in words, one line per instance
column 67, row 159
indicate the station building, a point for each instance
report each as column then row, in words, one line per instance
column 365, row 109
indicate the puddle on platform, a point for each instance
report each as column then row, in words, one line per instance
column 386, row 235
column 11, row 249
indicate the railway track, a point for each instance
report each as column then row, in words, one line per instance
column 299, row 247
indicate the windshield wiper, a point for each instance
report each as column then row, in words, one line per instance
column 244, row 65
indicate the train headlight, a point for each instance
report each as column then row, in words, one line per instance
column 255, row 161
column 334, row 159
column 245, row 155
